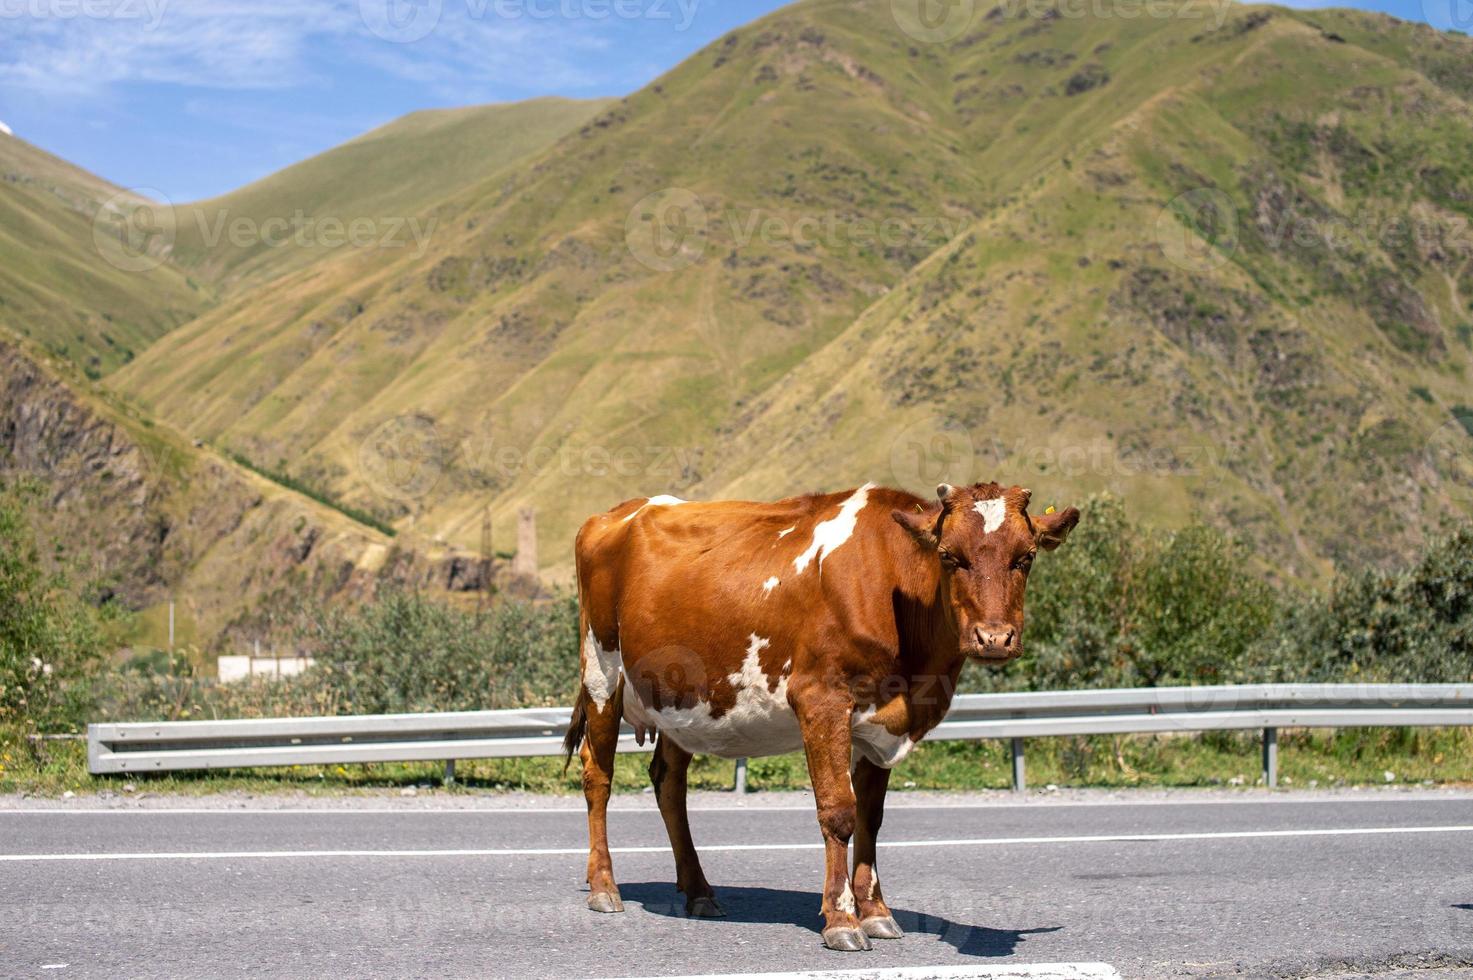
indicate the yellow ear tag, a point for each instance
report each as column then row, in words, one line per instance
column 1050, row 510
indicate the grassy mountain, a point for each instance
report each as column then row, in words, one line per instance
column 91, row 274
column 66, row 281
column 382, row 179
column 1153, row 255
column 96, row 274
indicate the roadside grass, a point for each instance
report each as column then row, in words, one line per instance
column 1307, row 759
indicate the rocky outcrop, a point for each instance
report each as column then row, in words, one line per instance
column 142, row 516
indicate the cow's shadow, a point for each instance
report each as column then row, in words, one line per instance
column 782, row 906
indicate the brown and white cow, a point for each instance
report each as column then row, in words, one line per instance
column 836, row 624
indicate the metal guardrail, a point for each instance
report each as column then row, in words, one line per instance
column 447, row 736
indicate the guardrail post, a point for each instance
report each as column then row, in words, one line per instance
column 1020, row 782
column 1271, row 757
column 449, row 772
column 739, row 779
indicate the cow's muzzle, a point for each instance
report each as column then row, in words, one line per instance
column 994, row 644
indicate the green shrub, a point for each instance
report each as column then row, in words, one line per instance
column 50, row 642
column 406, row 652
column 1412, row 625
column 1123, row 606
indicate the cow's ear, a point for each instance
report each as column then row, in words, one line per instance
column 921, row 525
column 1050, row 530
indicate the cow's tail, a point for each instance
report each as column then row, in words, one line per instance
column 578, row 725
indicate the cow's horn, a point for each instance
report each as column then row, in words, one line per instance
column 943, row 490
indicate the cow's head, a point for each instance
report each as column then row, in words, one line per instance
column 985, row 540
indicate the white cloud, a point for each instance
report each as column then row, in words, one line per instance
column 54, row 48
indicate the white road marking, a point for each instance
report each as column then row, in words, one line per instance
column 891, row 805
column 1032, row 971
column 709, row 848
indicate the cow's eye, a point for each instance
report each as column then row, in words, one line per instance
column 1024, row 562
column 951, row 559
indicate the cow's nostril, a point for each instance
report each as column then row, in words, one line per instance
column 994, row 639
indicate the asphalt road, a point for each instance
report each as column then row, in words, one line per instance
column 1341, row 887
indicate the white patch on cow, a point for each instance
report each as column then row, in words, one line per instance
column 600, row 671
column 760, row 723
column 769, row 585
column 874, row 883
column 846, row 900
column 787, row 531
column 751, row 675
column 992, row 511
column 832, row 533
column 662, row 500
column 875, row 741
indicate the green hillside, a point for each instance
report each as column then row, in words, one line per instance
column 384, row 179
column 90, row 275
column 67, row 280
column 1152, row 255
column 96, row 274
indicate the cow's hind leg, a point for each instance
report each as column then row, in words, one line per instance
column 600, row 742
column 668, row 776
column 870, row 783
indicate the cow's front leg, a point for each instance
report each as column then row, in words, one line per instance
column 870, row 783
column 826, row 742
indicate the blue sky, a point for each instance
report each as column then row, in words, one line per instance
column 191, row 98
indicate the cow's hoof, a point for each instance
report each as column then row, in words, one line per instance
column 703, row 907
column 882, row 927
column 605, row 902
column 846, row 940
